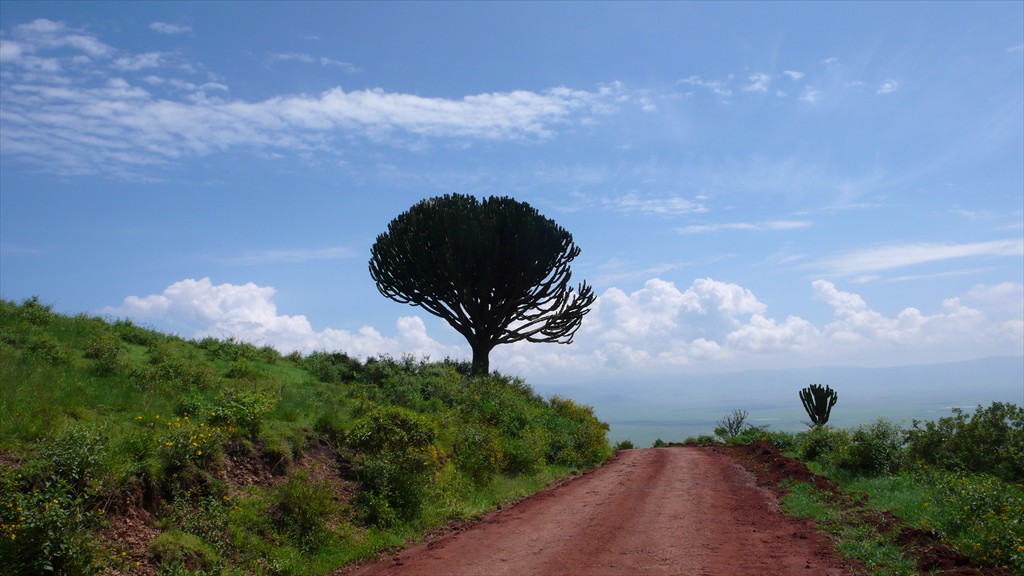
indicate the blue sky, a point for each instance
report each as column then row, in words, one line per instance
column 753, row 185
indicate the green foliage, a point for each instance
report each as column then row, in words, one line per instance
column 332, row 367
column 43, row 529
column 242, row 409
column 578, row 437
column 869, row 450
column 178, row 551
column 107, row 352
column 815, row 443
column 303, row 507
column 659, row 443
column 989, row 441
column 396, row 458
column 93, row 413
column 983, row 517
column 623, row 445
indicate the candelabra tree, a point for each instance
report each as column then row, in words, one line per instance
column 818, row 401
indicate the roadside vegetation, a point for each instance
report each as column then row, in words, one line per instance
column 127, row 451
column 894, row 489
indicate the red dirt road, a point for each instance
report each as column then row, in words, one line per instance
column 680, row 510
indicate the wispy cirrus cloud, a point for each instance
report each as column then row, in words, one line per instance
column 90, row 116
column 310, row 59
column 885, row 258
column 759, row 82
column 717, row 87
column 773, row 225
column 663, row 206
column 167, row 28
column 292, row 256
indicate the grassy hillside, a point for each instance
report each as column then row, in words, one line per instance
column 124, row 450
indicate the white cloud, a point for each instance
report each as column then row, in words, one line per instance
column 165, row 28
column 758, row 82
column 715, row 86
column 663, row 206
column 773, row 225
column 292, row 256
column 199, row 308
column 138, row 61
column 793, row 74
column 711, row 325
column 883, row 258
column 888, row 87
column 810, row 94
column 309, row 59
column 90, row 122
column 43, row 34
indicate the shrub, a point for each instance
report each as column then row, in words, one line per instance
column 577, row 436
column 816, row 442
column 395, row 460
column 478, row 452
column 43, row 529
column 990, row 441
column 107, row 353
column 869, row 450
column 731, row 425
column 659, row 443
column 303, row 507
column 334, row 367
column 983, row 517
column 242, row 408
column 176, row 550
column 623, row 445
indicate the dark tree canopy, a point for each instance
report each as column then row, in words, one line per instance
column 496, row 270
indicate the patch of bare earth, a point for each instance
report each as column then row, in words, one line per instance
column 679, row 510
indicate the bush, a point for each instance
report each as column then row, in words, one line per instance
column 395, row 459
column 869, row 450
column 731, row 425
column 242, row 409
column 983, row 517
column 815, row 443
column 623, row 445
column 176, row 550
column 107, row 352
column 303, row 508
column 990, row 441
column 577, row 436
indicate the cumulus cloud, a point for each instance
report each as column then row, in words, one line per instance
column 793, row 74
column 810, row 94
column 87, row 117
column 199, row 308
column 710, row 325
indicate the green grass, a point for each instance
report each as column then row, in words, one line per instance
column 852, row 537
column 94, row 412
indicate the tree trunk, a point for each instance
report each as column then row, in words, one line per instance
column 481, row 359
